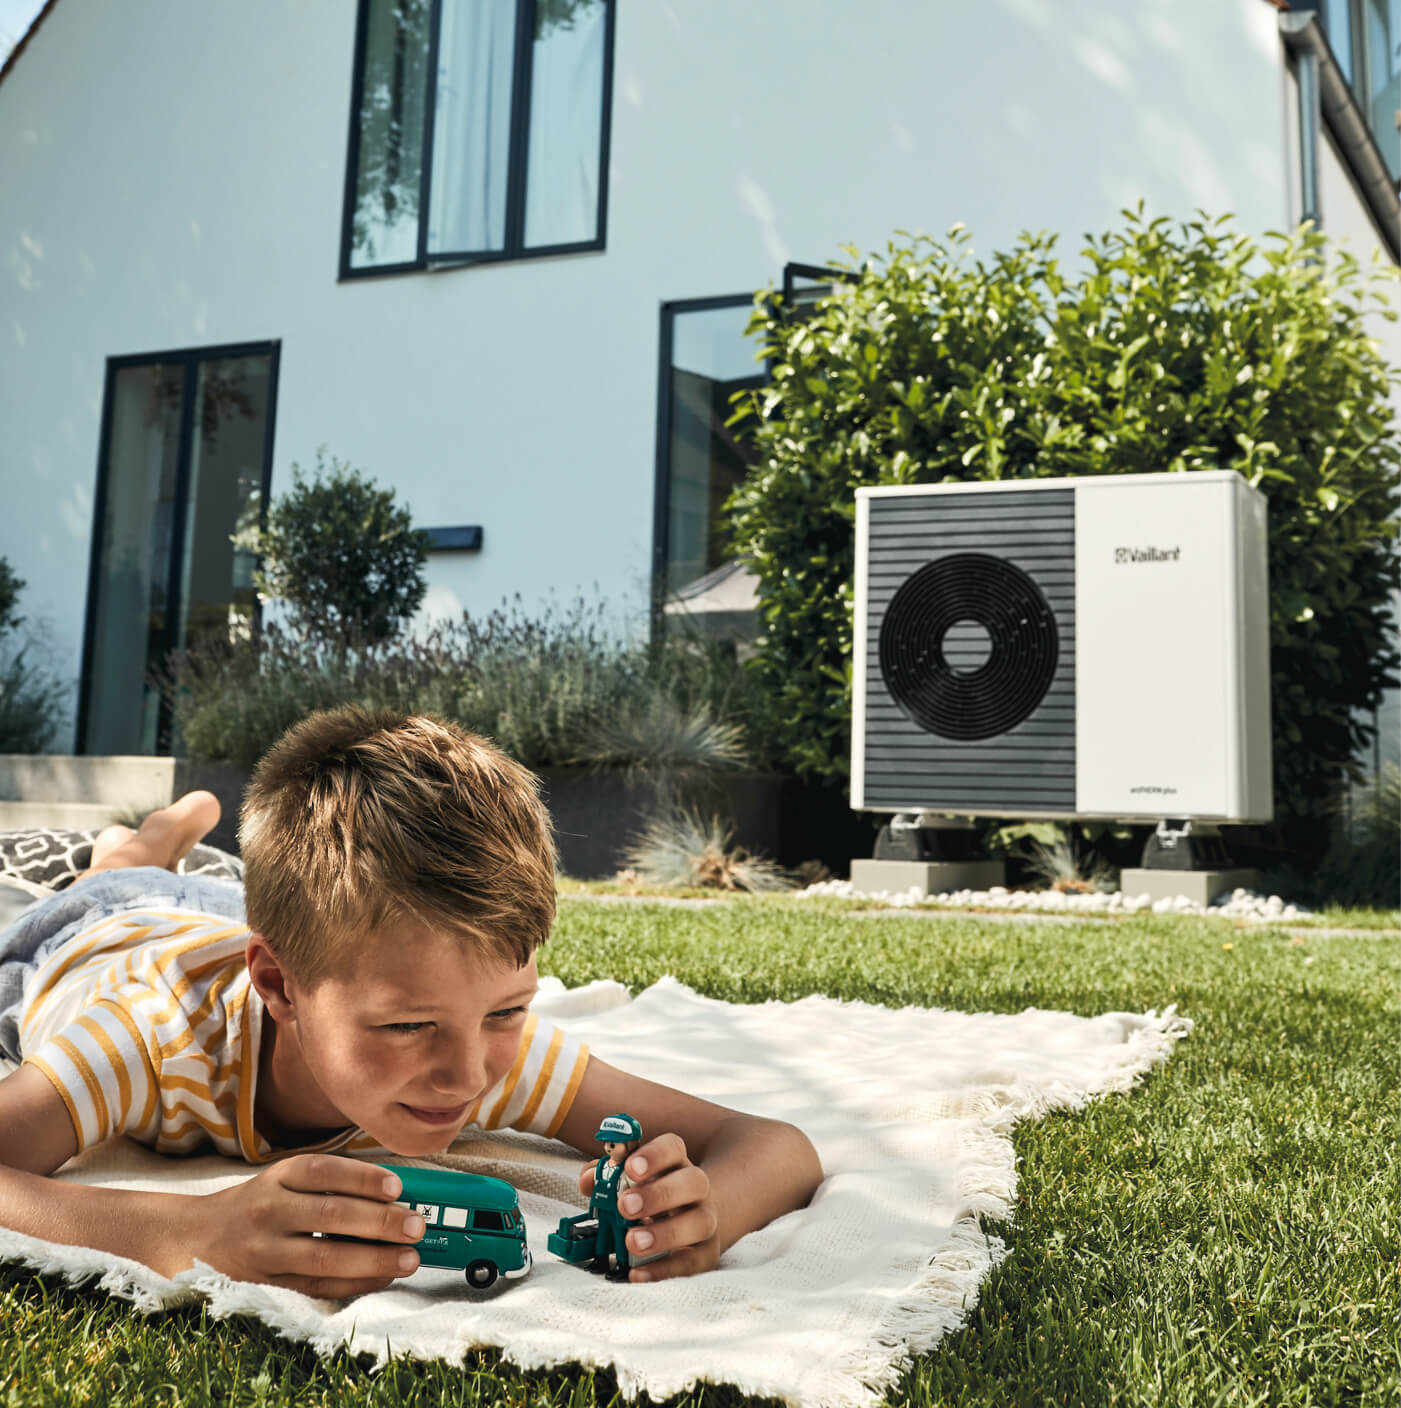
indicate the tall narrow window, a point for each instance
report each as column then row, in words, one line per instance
column 479, row 130
column 706, row 358
column 185, row 460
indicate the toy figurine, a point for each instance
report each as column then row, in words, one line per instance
column 619, row 1135
column 597, row 1237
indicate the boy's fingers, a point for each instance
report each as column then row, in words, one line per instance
column 658, row 1196
column 339, row 1216
column 666, row 1151
column 327, row 1259
column 687, row 1262
column 681, row 1231
column 330, row 1173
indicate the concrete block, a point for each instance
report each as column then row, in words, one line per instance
column 1201, row 886
column 870, row 877
column 58, row 816
column 134, row 785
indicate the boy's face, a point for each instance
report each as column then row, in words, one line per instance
column 406, row 1041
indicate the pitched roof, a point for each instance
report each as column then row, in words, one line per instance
column 25, row 38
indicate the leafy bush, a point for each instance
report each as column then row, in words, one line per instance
column 560, row 687
column 1200, row 350
column 341, row 554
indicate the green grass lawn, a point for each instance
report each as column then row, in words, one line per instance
column 1230, row 1233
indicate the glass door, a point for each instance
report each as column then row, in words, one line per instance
column 186, row 458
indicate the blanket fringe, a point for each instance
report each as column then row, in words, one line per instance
column 132, row 1281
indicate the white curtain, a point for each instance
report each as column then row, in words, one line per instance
column 472, row 126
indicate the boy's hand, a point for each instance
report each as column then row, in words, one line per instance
column 672, row 1196
column 262, row 1229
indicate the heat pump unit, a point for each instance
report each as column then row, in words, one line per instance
column 1091, row 647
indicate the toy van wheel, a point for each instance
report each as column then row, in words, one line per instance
column 480, row 1275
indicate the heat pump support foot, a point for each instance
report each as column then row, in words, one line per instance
column 1200, row 886
column 875, row 877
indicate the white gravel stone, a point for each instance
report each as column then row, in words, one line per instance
column 1241, row 904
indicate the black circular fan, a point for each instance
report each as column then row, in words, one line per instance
column 936, row 614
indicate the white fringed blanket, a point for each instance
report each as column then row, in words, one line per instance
column 911, row 1112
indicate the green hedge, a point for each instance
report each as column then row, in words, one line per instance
column 1195, row 349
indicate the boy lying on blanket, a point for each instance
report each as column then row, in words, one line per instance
column 399, row 876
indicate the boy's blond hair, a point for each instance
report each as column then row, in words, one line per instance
column 357, row 819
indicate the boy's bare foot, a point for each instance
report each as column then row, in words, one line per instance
column 106, row 841
column 163, row 839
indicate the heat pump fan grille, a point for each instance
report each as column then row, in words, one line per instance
column 930, row 614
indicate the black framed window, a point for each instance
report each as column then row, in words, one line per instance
column 185, row 460
column 479, row 131
column 705, row 359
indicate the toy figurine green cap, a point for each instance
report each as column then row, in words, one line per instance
column 618, row 1129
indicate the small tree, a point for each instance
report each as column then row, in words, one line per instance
column 1202, row 350
column 342, row 555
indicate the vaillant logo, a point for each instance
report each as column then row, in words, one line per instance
column 1122, row 555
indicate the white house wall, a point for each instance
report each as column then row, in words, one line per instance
column 172, row 176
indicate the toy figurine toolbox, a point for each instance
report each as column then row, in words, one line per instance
column 574, row 1238
column 474, row 1223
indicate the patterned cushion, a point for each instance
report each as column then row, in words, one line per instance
column 42, row 856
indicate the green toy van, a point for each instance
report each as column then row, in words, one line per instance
column 474, row 1223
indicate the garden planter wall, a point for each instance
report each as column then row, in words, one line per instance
column 596, row 815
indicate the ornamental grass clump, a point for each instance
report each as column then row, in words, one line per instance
column 682, row 848
column 1172, row 350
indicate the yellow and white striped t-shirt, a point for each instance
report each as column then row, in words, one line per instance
column 147, row 1025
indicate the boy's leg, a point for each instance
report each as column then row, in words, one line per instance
column 162, row 840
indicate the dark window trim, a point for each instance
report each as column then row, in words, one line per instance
column 190, row 357
column 818, row 273
column 516, row 173
column 661, row 481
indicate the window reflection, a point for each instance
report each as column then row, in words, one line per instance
column 129, row 624
column 225, row 489
column 1383, row 96
column 711, row 359
column 384, row 224
column 1337, row 20
column 566, row 125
